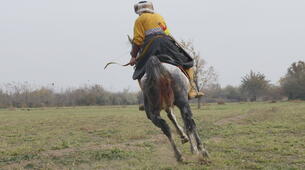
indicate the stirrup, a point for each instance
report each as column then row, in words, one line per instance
column 194, row 94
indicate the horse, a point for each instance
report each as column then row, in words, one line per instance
column 165, row 86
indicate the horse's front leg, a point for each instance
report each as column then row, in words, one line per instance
column 200, row 146
column 195, row 141
column 189, row 125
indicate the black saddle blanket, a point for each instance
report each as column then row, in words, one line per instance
column 166, row 49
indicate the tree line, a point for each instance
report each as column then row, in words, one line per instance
column 255, row 86
column 23, row 95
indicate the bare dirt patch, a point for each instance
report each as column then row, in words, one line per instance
column 235, row 119
column 216, row 139
column 231, row 120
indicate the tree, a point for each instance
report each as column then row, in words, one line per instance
column 293, row 83
column 203, row 75
column 254, row 85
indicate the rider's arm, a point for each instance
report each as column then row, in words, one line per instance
column 138, row 32
column 138, row 37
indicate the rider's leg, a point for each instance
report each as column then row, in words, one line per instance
column 193, row 92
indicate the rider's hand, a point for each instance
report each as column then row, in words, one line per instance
column 132, row 61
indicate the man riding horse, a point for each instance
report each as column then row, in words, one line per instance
column 152, row 38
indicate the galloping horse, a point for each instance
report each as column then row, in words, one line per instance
column 165, row 86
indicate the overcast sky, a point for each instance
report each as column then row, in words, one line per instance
column 68, row 42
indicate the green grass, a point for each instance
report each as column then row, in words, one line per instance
column 238, row 136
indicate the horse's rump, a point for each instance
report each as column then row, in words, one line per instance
column 159, row 81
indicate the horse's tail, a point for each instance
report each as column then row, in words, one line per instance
column 158, row 83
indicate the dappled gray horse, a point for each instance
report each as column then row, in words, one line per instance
column 164, row 86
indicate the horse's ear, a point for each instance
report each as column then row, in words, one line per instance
column 129, row 39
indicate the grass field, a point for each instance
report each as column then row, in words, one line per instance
column 238, row 136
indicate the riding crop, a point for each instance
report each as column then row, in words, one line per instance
column 110, row 63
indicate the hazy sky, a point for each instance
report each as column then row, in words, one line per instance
column 68, row 42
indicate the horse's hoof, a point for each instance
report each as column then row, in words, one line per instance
column 204, row 161
column 205, row 154
column 180, row 159
column 184, row 140
column 203, row 158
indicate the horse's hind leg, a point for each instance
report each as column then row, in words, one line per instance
column 200, row 146
column 189, row 124
column 161, row 123
column 195, row 141
column 172, row 117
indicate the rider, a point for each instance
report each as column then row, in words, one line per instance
column 151, row 37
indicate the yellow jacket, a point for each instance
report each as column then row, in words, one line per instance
column 147, row 22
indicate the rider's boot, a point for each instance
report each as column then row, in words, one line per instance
column 193, row 92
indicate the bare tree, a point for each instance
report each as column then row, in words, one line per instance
column 204, row 75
